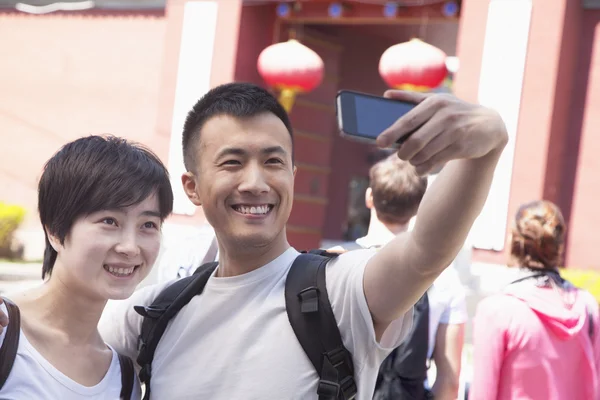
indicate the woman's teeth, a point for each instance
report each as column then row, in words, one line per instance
column 119, row 271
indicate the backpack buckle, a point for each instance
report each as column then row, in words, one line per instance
column 146, row 373
column 309, row 300
column 149, row 311
column 337, row 357
column 328, row 389
column 348, row 388
column 141, row 345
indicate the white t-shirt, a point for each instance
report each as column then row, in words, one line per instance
column 33, row 378
column 183, row 251
column 446, row 296
column 235, row 341
column 447, row 304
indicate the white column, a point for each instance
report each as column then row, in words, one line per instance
column 193, row 80
column 500, row 86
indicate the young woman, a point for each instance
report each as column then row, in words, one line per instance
column 539, row 338
column 102, row 201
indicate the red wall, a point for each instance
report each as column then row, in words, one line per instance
column 64, row 76
column 557, row 141
column 359, row 71
column 583, row 146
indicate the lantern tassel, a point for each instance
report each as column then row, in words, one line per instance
column 286, row 98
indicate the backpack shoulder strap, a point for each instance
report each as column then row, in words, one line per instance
column 157, row 316
column 591, row 325
column 127, row 377
column 8, row 351
column 315, row 326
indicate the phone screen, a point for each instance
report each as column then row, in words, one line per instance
column 366, row 116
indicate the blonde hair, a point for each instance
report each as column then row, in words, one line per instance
column 397, row 189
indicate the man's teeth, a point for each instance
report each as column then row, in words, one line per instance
column 257, row 210
column 119, row 271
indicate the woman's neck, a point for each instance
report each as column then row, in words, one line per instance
column 63, row 310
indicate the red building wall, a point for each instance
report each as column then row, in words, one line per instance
column 583, row 148
column 359, row 71
column 556, row 146
column 67, row 75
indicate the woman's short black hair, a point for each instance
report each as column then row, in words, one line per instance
column 97, row 173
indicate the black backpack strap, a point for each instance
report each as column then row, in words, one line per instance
column 315, row 326
column 8, row 351
column 127, row 377
column 157, row 316
column 591, row 325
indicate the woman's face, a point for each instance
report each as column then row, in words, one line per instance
column 109, row 252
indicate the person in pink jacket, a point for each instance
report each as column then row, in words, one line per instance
column 540, row 337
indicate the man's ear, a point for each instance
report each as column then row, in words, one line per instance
column 369, row 198
column 189, row 186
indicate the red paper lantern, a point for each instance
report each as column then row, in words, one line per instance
column 292, row 68
column 413, row 65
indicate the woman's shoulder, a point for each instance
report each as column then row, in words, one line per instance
column 498, row 303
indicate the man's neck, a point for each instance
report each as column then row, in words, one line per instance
column 380, row 233
column 238, row 260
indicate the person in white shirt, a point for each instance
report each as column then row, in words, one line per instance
column 101, row 202
column 184, row 250
column 234, row 340
column 393, row 197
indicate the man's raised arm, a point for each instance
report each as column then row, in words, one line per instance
column 469, row 140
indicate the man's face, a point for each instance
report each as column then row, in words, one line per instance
column 244, row 179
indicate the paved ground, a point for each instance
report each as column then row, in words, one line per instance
column 17, row 277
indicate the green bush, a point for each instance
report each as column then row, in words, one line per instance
column 588, row 279
column 11, row 216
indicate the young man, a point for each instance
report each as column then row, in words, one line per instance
column 394, row 195
column 238, row 151
column 234, row 340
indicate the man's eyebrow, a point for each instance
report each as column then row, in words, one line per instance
column 231, row 151
column 274, row 149
column 238, row 151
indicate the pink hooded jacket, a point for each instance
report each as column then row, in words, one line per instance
column 529, row 345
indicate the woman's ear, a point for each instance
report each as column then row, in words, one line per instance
column 54, row 241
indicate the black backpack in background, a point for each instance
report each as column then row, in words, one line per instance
column 308, row 309
column 403, row 373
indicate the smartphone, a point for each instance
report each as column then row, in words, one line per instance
column 364, row 116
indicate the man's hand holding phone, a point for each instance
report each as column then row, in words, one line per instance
column 448, row 129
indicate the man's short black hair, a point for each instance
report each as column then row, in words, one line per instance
column 97, row 173
column 239, row 100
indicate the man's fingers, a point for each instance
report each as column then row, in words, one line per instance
column 402, row 95
column 3, row 320
column 409, row 122
column 442, row 157
column 3, row 317
column 436, row 144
